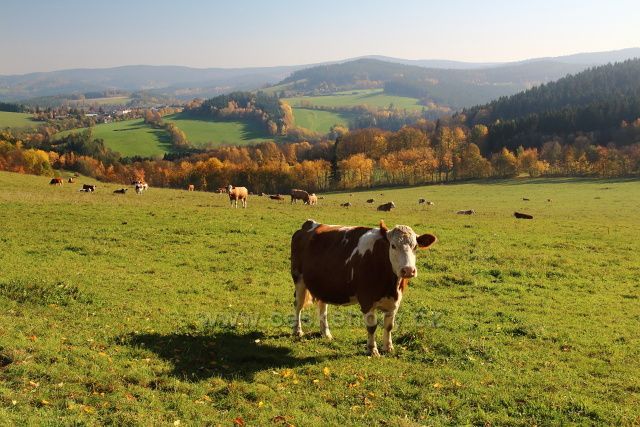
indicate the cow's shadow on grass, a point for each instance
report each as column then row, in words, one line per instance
column 225, row 354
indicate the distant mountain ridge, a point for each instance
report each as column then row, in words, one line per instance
column 187, row 82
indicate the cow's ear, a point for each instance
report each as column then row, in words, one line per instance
column 426, row 240
column 383, row 229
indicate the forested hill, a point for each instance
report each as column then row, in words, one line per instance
column 455, row 88
column 608, row 84
column 595, row 104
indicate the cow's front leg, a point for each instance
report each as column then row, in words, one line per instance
column 324, row 324
column 371, row 323
column 389, row 321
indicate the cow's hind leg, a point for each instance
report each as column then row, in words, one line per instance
column 371, row 322
column 302, row 297
column 324, row 324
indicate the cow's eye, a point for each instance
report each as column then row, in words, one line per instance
column 393, row 246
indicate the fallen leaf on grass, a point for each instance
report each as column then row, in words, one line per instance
column 239, row 421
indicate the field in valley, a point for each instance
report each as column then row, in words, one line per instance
column 130, row 138
column 172, row 308
column 318, row 120
column 213, row 133
column 375, row 98
column 16, row 120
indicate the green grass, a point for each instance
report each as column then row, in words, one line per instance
column 131, row 138
column 146, row 310
column 372, row 98
column 213, row 133
column 318, row 120
column 16, row 120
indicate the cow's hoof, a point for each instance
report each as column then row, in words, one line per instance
column 327, row 335
column 374, row 352
column 298, row 333
column 387, row 349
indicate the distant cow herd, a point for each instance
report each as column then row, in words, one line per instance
column 240, row 195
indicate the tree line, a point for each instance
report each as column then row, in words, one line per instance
column 427, row 152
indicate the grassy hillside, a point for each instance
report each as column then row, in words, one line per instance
column 16, row 120
column 375, row 98
column 210, row 132
column 170, row 306
column 318, row 120
column 131, row 138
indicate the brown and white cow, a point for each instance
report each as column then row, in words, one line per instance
column 338, row 265
column 238, row 193
column 312, row 199
column 56, row 181
column 191, row 187
column 90, row 188
column 299, row 195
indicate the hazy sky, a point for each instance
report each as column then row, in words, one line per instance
column 48, row 35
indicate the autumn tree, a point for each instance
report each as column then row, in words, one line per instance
column 505, row 163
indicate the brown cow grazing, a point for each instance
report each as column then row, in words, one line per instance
column 276, row 197
column 422, row 201
column 520, row 215
column 71, row 180
column 191, row 187
column 221, row 190
column 299, row 195
column 339, row 265
column 346, row 205
column 238, row 193
column 121, row 191
column 56, row 181
column 89, row 187
column 312, row 199
column 370, row 200
column 387, row 207
column 467, row 212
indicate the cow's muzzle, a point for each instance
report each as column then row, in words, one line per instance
column 408, row 272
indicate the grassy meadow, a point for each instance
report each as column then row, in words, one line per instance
column 16, row 120
column 131, row 138
column 375, row 98
column 318, row 120
column 214, row 133
column 170, row 308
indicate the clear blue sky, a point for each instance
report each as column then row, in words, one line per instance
column 47, row 35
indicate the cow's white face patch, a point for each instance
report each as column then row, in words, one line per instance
column 402, row 251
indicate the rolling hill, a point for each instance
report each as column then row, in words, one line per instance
column 187, row 82
column 452, row 88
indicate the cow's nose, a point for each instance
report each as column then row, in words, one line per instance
column 408, row 272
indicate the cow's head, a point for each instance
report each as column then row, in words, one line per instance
column 229, row 188
column 403, row 244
